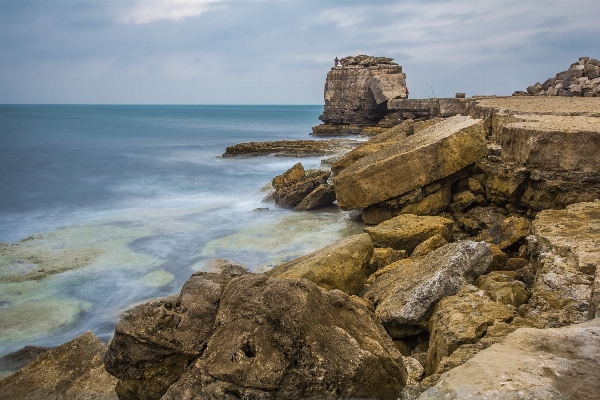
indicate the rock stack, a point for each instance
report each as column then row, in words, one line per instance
column 582, row 79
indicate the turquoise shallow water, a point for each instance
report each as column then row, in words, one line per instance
column 103, row 207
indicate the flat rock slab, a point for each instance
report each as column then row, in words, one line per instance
column 342, row 265
column 291, row 148
column 407, row 231
column 404, row 297
column 531, row 363
column 74, row 370
column 426, row 156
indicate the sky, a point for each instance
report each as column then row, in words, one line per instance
column 279, row 52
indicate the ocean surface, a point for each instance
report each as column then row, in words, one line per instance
column 105, row 207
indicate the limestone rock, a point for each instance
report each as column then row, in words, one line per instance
column 429, row 245
column 499, row 259
column 405, row 296
column 342, row 265
column 357, row 93
column 73, row 370
column 462, row 200
column 291, row 195
column 433, row 204
column 291, row 148
column 18, row 359
column 322, row 196
column 384, row 256
column 502, row 287
column 427, row 156
column 287, row 338
column 406, row 231
column 155, row 341
column 567, row 258
column 294, row 174
column 461, row 319
column 529, row 364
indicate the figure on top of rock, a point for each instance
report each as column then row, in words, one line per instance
column 406, row 92
column 336, row 61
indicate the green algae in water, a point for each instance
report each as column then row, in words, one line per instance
column 157, row 278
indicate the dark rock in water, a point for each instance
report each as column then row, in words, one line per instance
column 20, row 358
column 290, row 195
column 291, row 148
column 71, row 371
column 155, row 341
column 288, row 339
column 322, row 196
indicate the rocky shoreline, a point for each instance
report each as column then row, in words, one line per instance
column 476, row 275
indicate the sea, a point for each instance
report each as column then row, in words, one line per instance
column 103, row 207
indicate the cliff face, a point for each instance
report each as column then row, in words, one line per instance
column 357, row 91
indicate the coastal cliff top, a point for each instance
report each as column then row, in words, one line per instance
column 364, row 61
column 588, row 106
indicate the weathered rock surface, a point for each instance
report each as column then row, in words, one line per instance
column 291, row 148
column 74, row 370
column 567, row 258
column 530, row 364
column 420, row 159
column 295, row 173
column 501, row 286
column 287, row 338
column 18, row 359
column 384, row 256
column 405, row 296
column 429, row 245
column 462, row 319
column 155, row 341
column 342, row 265
column 581, row 79
column 357, row 93
column 545, row 154
column 407, row 231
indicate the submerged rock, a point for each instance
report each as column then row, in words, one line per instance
column 405, row 296
column 71, row 371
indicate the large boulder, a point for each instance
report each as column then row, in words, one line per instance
column 427, row 156
column 322, row 196
column 567, row 257
column 404, row 297
column 407, row 231
column 342, row 265
column 155, row 341
column 291, row 194
column 71, row 371
column 289, row 339
column 462, row 319
column 529, row 364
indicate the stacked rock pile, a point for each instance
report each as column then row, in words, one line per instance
column 582, row 79
column 367, row 61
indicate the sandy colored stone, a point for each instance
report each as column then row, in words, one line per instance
column 289, row 196
column 427, row 156
column 405, row 296
column 342, row 265
column 567, row 257
column 429, row 245
column 461, row 319
column 529, row 364
column 385, row 256
column 291, row 148
column 432, row 204
column 73, row 370
column 406, row 231
column 291, row 175
column 461, row 201
column 500, row 286
column 499, row 259
column 565, row 106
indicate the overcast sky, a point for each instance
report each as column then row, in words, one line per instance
column 279, row 52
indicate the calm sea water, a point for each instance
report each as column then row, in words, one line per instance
column 141, row 194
